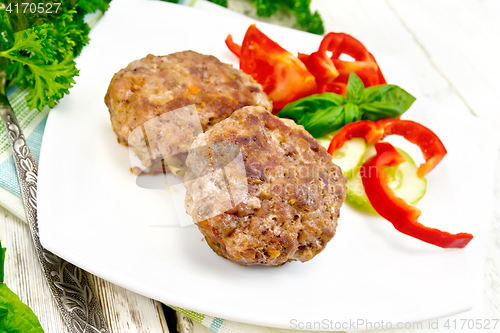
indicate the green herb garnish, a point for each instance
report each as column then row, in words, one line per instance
column 40, row 58
column 300, row 8
column 15, row 316
column 321, row 114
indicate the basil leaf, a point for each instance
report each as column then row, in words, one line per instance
column 352, row 113
column 325, row 121
column 355, row 89
column 303, row 109
column 385, row 101
column 15, row 316
column 321, row 114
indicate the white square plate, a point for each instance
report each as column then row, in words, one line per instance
column 93, row 214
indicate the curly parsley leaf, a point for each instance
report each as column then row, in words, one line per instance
column 90, row 6
column 222, row 3
column 300, row 8
column 34, row 65
column 41, row 58
column 306, row 20
column 15, row 316
column 266, row 8
column 67, row 34
column 6, row 35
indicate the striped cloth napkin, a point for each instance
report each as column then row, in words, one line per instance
column 483, row 150
column 33, row 125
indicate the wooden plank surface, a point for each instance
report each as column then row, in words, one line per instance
column 379, row 26
column 492, row 265
column 125, row 311
column 461, row 40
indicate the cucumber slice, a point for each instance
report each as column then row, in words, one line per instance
column 403, row 180
column 349, row 156
column 325, row 140
column 370, row 152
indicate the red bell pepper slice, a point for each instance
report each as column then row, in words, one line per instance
column 335, row 87
column 322, row 68
column 332, row 74
column 283, row 76
column 371, row 131
column 431, row 146
column 403, row 216
column 429, row 143
column 233, row 47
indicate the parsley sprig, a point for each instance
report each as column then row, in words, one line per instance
column 307, row 21
column 310, row 22
column 41, row 58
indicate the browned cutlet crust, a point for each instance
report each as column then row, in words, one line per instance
column 154, row 85
column 294, row 195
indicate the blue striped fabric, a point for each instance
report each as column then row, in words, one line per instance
column 216, row 324
column 8, row 175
